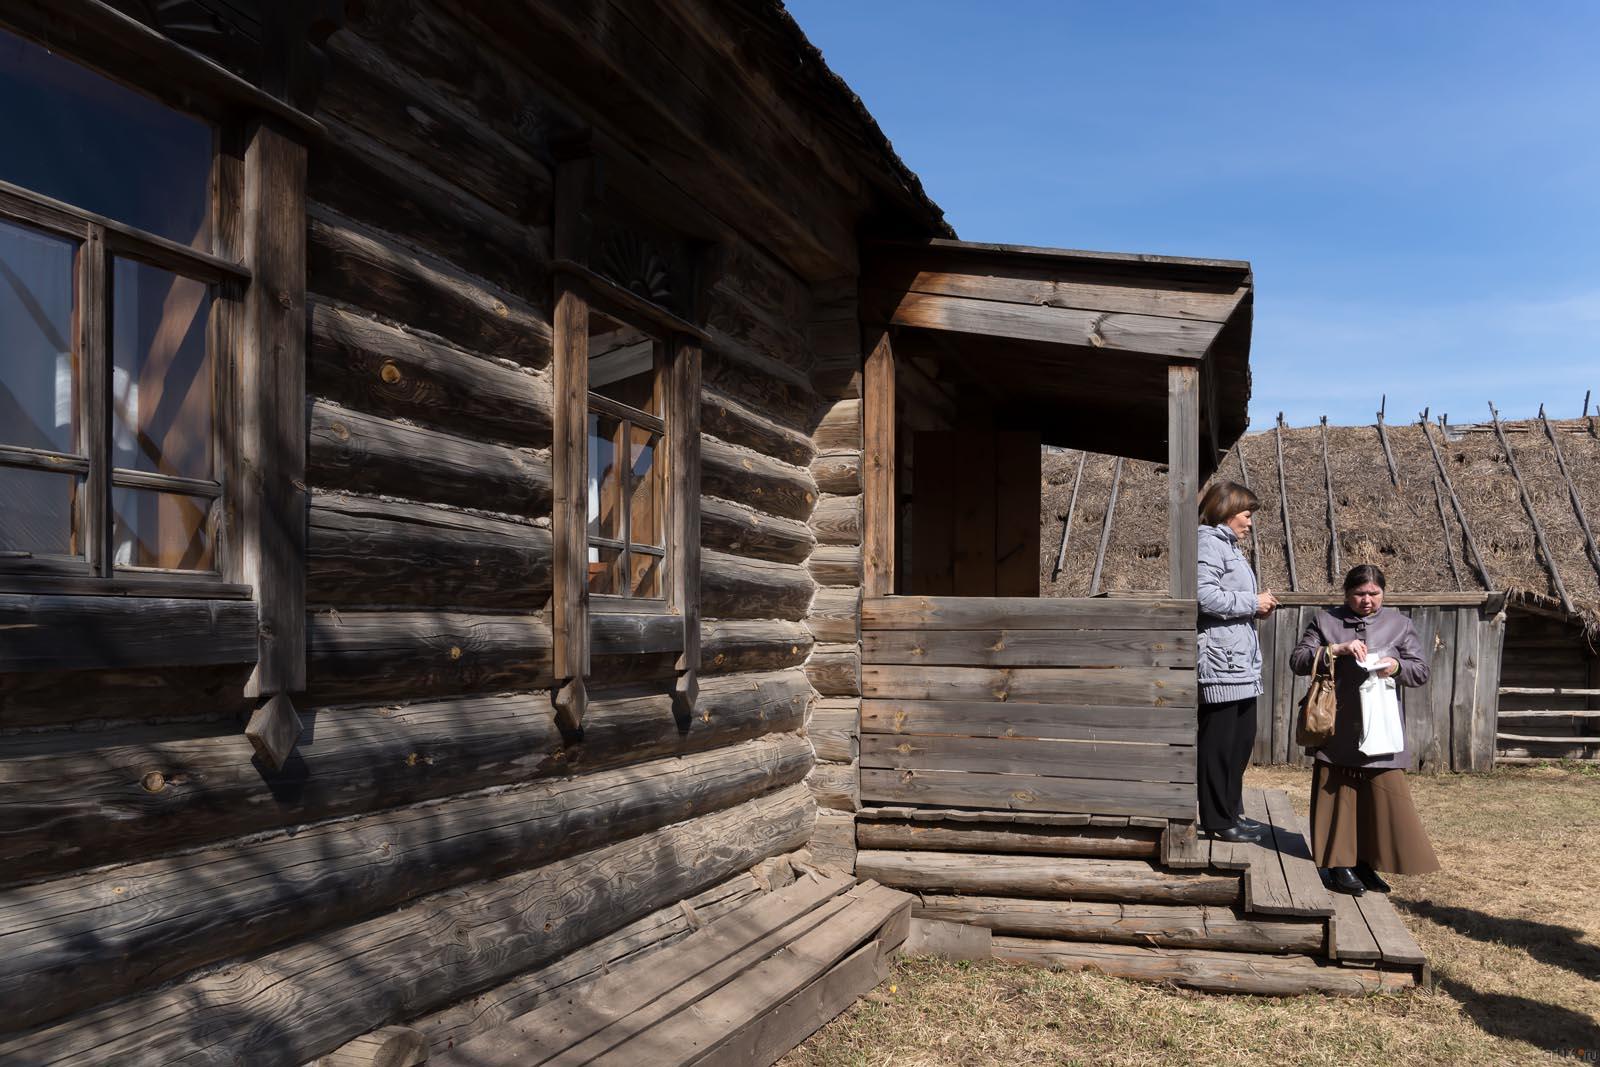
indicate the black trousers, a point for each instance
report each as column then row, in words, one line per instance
column 1227, row 733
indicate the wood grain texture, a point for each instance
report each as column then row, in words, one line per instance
column 395, row 965
column 1012, row 838
column 728, row 646
column 742, row 530
column 1025, row 613
column 835, row 670
column 1023, row 793
column 835, row 615
column 738, row 423
column 1183, row 479
column 835, row 565
column 833, row 729
column 371, row 656
column 1157, row 925
column 1136, row 686
column 738, row 587
column 1045, row 877
column 1068, row 722
column 767, row 484
column 1030, row 648
column 837, row 472
column 878, row 467
column 1029, row 756
column 114, row 633
column 78, row 942
column 837, row 520
column 835, row 786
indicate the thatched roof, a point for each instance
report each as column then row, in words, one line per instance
column 1397, row 527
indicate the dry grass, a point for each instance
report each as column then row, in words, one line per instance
column 1512, row 926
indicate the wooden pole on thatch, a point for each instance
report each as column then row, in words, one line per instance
column 1105, row 527
column 1533, row 516
column 1335, row 566
column 1244, row 472
column 1589, row 548
column 1283, row 505
column 1455, row 502
column 1383, row 439
column 1072, row 506
column 1444, row 524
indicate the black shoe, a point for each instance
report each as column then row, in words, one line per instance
column 1344, row 880
column 1370, row 878
column 1237, row 835
column 1251, row 825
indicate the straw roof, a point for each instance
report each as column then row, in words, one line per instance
column 1398, row 527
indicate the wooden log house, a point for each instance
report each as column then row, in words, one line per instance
column 464, row 463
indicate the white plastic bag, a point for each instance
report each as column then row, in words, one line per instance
column 1381, row 731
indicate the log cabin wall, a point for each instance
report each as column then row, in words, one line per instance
column 168, row 899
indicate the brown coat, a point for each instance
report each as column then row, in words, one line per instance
column 1388, row 633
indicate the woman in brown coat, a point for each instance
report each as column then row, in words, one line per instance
column 1362, row 818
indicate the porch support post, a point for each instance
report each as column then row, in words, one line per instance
column 878, row 465
column 1183, row 478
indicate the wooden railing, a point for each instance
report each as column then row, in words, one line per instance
column 1061, row 705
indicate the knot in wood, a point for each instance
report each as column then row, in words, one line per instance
column 154, row 782
column 389, row 372
column 285, row 299
column 455, row 652
column 341, row 431
column 501, row 309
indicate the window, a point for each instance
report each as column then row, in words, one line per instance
column 626, row 502
column 110, row 307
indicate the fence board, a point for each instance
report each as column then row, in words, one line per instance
column 1050, row 759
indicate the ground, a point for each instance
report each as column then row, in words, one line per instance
column 1511, row 925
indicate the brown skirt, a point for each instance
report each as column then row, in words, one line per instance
column 1362, row 816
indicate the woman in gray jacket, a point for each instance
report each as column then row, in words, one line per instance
column 1229, row 660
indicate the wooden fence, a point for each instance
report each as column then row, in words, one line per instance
column 1030, row 704
column 1450, row 722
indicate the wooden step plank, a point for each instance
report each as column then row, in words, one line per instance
column 771, row 1036
column 1006, row 837
column 1213, row 972
column 1227, row 856
column 950, row 940
column 1047, row 877
column 1266, row 891
column 1394, row 940
column 598, row 1014
column 687, row 1036
column 1034, row 818
column 1348, row 935
column 1293, row 841
column 1183, row 846
column 1161, row 925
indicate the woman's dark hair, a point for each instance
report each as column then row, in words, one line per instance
column 1363, row 574
column 1223, row 500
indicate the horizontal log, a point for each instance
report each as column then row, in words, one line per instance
column 366, row 268
column 91, row 699
column 775, row 487
column 759, row 385
column 732, row 312
column 835, row 670
column 1051, row 877
column 1160, row 925
column 732, row 645
column 835, row 615
column 362, row 551
column 366, row 657
column 369, row 366
column 1031, row 648
column 744, row 531
column 838, row 472
column 1025, row 613
column 71, row 800
column 836, row 565
column 833, row 729
column 1030, row 756
column 835, row 786
column 729, row 420
column 1065, row 722
column 1108, row 842
column 1213, row 972
column 736, row 587
column 76, row 942
column 392, row 966
column 1171, row 800
column 840, row 427
column 369, row 454
column 389, row 1046
column 837, row 520
column 56, row 633
column 1135, row 686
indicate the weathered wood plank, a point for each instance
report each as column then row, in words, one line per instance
column 833, row 842
column 1031, row 648
column 835, row 670
column 358, row 657
column 89, row 633
column 1159, row 925
column 1143, row 686
column 732, row 421
column 1030, row 756
column 1067, row 722
column 1394, row 941
column 737, row 587
column 958, row 788
column 836, row 786
column 835, row 565
column 389, row 1046
column 728, row 646
column 1007, row 837
column 1292, row 840
column 1183, row 479
column 835, row 615
column 834, row 729
column 1024, row 613
column 770, row 485
column 878, row 466
column 838, row 472
column 1348, row 936
column 395, row 965
column 742, row 530
column 1266, row 891
column 1046, row 877
column 837, row 520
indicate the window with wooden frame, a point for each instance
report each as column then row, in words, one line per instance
column 113, row 360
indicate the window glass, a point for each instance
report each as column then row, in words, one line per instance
column 154, row 529
column 100, row 146
column 39, row 375
column 40, row 514
column 622, row 362
column 162, row 388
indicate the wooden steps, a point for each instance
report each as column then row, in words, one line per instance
column 743, row 990
column 1046, row 877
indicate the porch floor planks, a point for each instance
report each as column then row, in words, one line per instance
column 1293, row 841
column 1265, row 889
column 1394, row 941
column 1348, row 935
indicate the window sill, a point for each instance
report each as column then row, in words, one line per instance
column 179, row 586
column 47, row 632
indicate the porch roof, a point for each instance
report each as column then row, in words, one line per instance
column 1069, row 343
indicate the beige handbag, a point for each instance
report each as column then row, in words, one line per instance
column 1319, row 707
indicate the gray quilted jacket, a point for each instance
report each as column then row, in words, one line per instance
column 1229, row 653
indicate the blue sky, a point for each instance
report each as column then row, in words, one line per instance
column 1417, row 185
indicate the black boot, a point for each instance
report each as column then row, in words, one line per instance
column 1370, row 878
column 1342, row 879
column 1236, row 834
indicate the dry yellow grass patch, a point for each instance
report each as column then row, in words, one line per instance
column 1512, row 926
